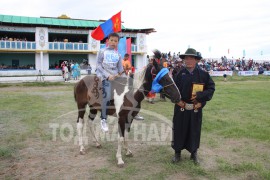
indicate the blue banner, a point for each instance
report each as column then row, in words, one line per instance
column 122, row 46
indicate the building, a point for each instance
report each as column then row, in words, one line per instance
column 30, row 45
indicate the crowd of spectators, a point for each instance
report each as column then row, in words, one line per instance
column 174, row 63
column 225, row 64
column 66, row 40
column 83, row 64
column 28, row 66
column 18, row 38
column 72, row 69
column 6, row 38
column 222, row 64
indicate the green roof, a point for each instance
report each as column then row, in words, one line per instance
column 47, row 21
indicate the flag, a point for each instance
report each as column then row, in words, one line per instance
column 111, row 25
column 244, row 53
column 129, row 48
column 122, row 46
column 228, row 51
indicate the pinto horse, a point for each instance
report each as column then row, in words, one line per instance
column 125, row 103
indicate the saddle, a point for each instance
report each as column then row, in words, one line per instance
column 95, row 89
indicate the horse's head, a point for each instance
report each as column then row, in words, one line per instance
column 158, row 77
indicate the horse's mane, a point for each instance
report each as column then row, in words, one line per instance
column 145, row 74
column 139, row 78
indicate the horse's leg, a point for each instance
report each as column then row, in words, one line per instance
column 127, row 129
column 80, row 123
column 121, row 135
column 91, row 117
column 128, row 151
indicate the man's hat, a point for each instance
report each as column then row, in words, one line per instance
column 191, row 52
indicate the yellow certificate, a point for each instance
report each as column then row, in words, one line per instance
column 197, row 88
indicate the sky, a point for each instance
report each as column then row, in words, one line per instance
column 212, row 27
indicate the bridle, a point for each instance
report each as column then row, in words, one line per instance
column 163, row 91
column 168, row 85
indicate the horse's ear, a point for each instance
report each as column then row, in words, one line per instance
column 157, row 53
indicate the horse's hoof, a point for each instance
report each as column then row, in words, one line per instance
column 82, row 152
column 121, row 165
column 98, row 146
column 129, row 155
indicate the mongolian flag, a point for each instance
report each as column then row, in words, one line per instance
column 109, row 26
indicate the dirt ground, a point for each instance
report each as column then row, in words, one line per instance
column 58, row 160
column 41, row 157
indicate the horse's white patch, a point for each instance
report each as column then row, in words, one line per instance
column 80, row 134
column 119, row 99
column 119, row 151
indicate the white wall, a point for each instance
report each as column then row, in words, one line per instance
column 141, row 42
column 140, row 62
column 42, row 38
column 93, row 44
column 37, row 61
column 92, row 59
column 45, row 61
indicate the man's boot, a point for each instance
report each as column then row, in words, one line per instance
column 194, row 157
column 177, row 157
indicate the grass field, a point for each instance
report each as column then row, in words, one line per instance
column 235, row 142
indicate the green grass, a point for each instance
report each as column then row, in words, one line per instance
column 229, row 168
column 242, row 167
column 6, row 152
column 35, row 84
column 235, row 77
column 239, row 112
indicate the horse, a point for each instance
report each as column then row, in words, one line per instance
column 125, row 103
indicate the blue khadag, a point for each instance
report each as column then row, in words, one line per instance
column 156, row 87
